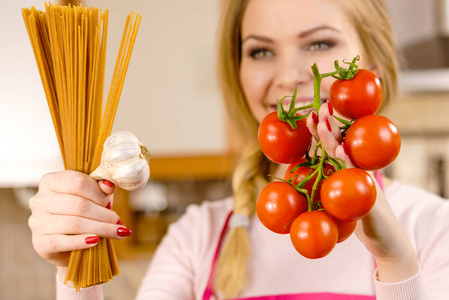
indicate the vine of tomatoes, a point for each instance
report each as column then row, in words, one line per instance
column 319, row 200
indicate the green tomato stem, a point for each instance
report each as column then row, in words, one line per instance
column 315, row 153
column 319, row 170
column 343, row 121
column 316, row 87
column 317, row 77
column 290, row 117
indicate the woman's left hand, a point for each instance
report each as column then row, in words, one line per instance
column 379, row 231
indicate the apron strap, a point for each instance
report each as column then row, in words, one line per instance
column 379, row 178
column 209, row 288
column 311, row 296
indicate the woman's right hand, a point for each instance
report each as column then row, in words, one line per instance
column 69, row 212
column 380, row 230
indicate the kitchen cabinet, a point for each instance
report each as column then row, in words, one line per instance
column 424, row 127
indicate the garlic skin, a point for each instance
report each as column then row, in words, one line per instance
column 124, row 161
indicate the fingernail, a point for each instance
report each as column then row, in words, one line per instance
column 314, row 118
column 120, row 222
column 122, row 231
column 328, row 125
column 330, row 108
column 344, row 148
column 92, row 240
column 108, row 183
column 109, row 205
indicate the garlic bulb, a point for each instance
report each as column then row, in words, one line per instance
column 125, row 161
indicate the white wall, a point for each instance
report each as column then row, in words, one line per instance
column 170, row 99
column 28, row 145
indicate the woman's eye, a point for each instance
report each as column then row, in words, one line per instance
column 260, row 53
column 320, row 45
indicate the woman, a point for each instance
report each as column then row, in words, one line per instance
column 266, row 50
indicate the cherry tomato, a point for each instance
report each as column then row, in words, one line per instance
column 357, row 97
column 282, row 144
column 345, row 229
column 314, row 234
column 348, row 194
column 372, row 142
column 303, row 172
column 278, row 205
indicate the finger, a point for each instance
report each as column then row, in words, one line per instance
column 109, row 189
column 327, row 138
column 326, row 116
column 74, row 183
column 76, row 225
column 328, row 130
column 312, row 121
column 341, row 154
column 46, row 245
column 64, row 204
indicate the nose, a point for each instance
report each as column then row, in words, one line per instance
column 292, row 70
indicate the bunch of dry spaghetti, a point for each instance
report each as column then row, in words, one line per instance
column 69, row 44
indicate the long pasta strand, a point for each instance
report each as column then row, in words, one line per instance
column 69, row 45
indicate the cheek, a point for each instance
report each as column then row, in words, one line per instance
column 326, row 85
column 255, row 83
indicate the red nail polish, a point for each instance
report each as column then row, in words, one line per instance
column 122, row 231
column 328, row 125
column 330, row 108
column 314, row 118
column 109, row 205
column 344, row 148
column 108, row 183
column 120, row 222
column 92, row 240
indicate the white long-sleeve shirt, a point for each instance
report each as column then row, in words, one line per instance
column 181, row 266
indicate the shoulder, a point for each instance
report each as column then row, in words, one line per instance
column 208, row 212
column 423, row 215
column 405, row 198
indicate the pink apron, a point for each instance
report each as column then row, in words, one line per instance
column 303, row 296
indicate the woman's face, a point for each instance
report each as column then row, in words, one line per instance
column 281, row 40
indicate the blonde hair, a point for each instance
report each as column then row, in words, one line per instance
column 371, row 20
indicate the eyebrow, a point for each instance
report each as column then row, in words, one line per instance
column 300, row 35
column 315, row 29
column 259, row 38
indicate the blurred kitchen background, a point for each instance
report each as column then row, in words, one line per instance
column 171, row 102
